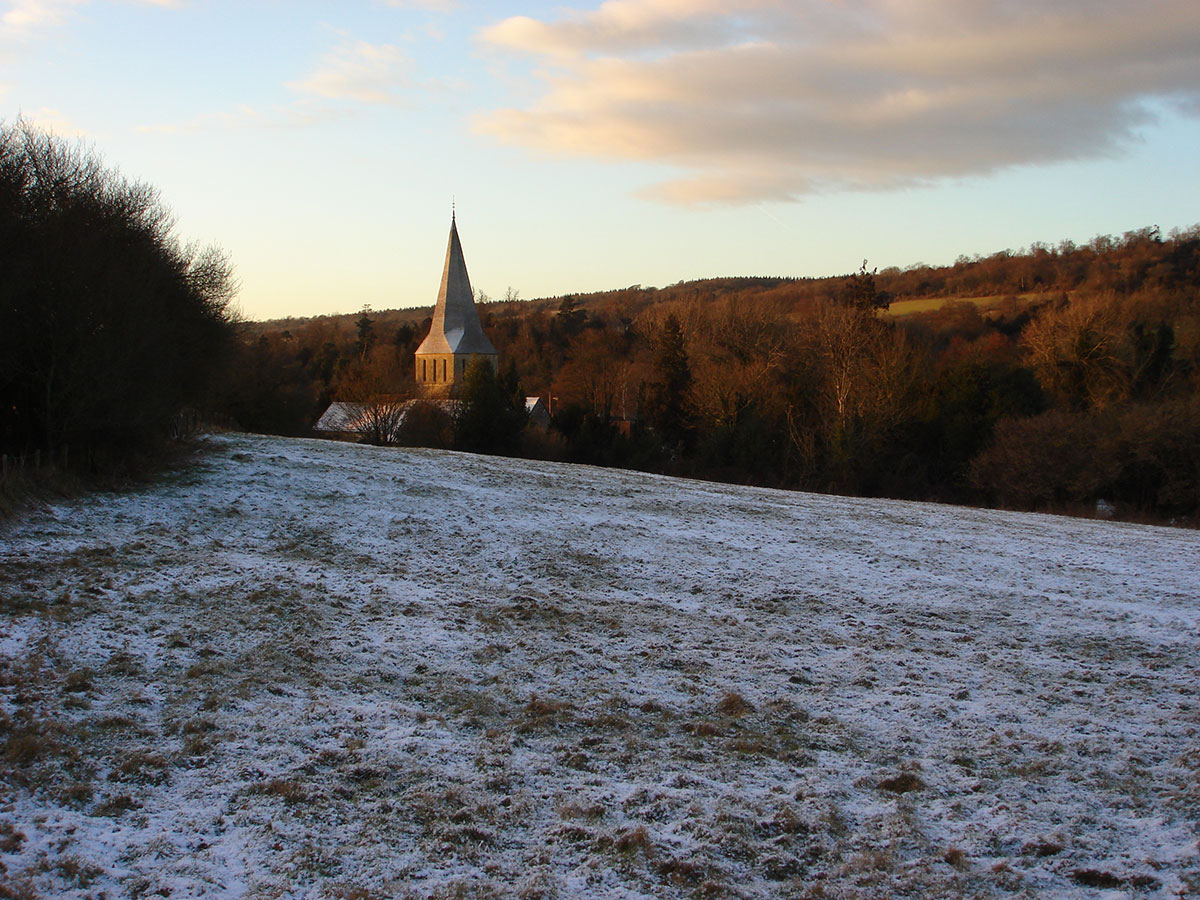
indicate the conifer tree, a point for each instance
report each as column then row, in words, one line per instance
column 669, row 407
column 491, row 413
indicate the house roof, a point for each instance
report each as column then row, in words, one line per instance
column 456, row 327
column 349, row 418
column 341, row 416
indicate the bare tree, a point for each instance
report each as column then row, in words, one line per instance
column 866, row 375
column 594, row 376
column 379, row 390
column 1076, row 352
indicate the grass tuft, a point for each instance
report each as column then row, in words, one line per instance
column 902, row 783
column 734, row 705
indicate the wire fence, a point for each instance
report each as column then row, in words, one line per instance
column 35, row 464
column 20, row 467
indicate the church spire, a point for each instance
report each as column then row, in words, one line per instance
column 455, row 331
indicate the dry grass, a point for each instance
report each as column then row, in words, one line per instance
column 360, row 718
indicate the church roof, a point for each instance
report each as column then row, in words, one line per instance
column 456, row 327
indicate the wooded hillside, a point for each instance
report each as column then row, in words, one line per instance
column 1052, row 377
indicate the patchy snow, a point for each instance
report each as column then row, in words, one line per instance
column 310, row 669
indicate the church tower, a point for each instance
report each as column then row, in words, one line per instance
column 456, row 335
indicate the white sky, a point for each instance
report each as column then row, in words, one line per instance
column 594, row 146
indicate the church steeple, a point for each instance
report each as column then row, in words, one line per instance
column 455, row 335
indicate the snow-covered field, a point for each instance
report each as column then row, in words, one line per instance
column 308, row 669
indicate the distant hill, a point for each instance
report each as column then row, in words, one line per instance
column 1105, row 262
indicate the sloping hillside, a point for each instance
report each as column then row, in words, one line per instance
column 323, row 670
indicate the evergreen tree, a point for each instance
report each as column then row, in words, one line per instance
column 570, row 318
column 491, row 412
column 669, row 407
column 864, row 295
column 366, row 333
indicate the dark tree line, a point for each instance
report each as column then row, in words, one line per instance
column 109, row 327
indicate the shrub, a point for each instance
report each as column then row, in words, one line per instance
column 1041, row 460
column 426, row 423
column 1141, row 457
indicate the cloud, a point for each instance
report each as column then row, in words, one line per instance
column 431, row 5
column 53, row 121
column 626, row 26
column 775, row 99
column 296, row 115
column 25, row 17
column 360, row 71
column 355, row 70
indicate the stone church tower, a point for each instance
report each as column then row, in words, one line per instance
column 456, row 335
